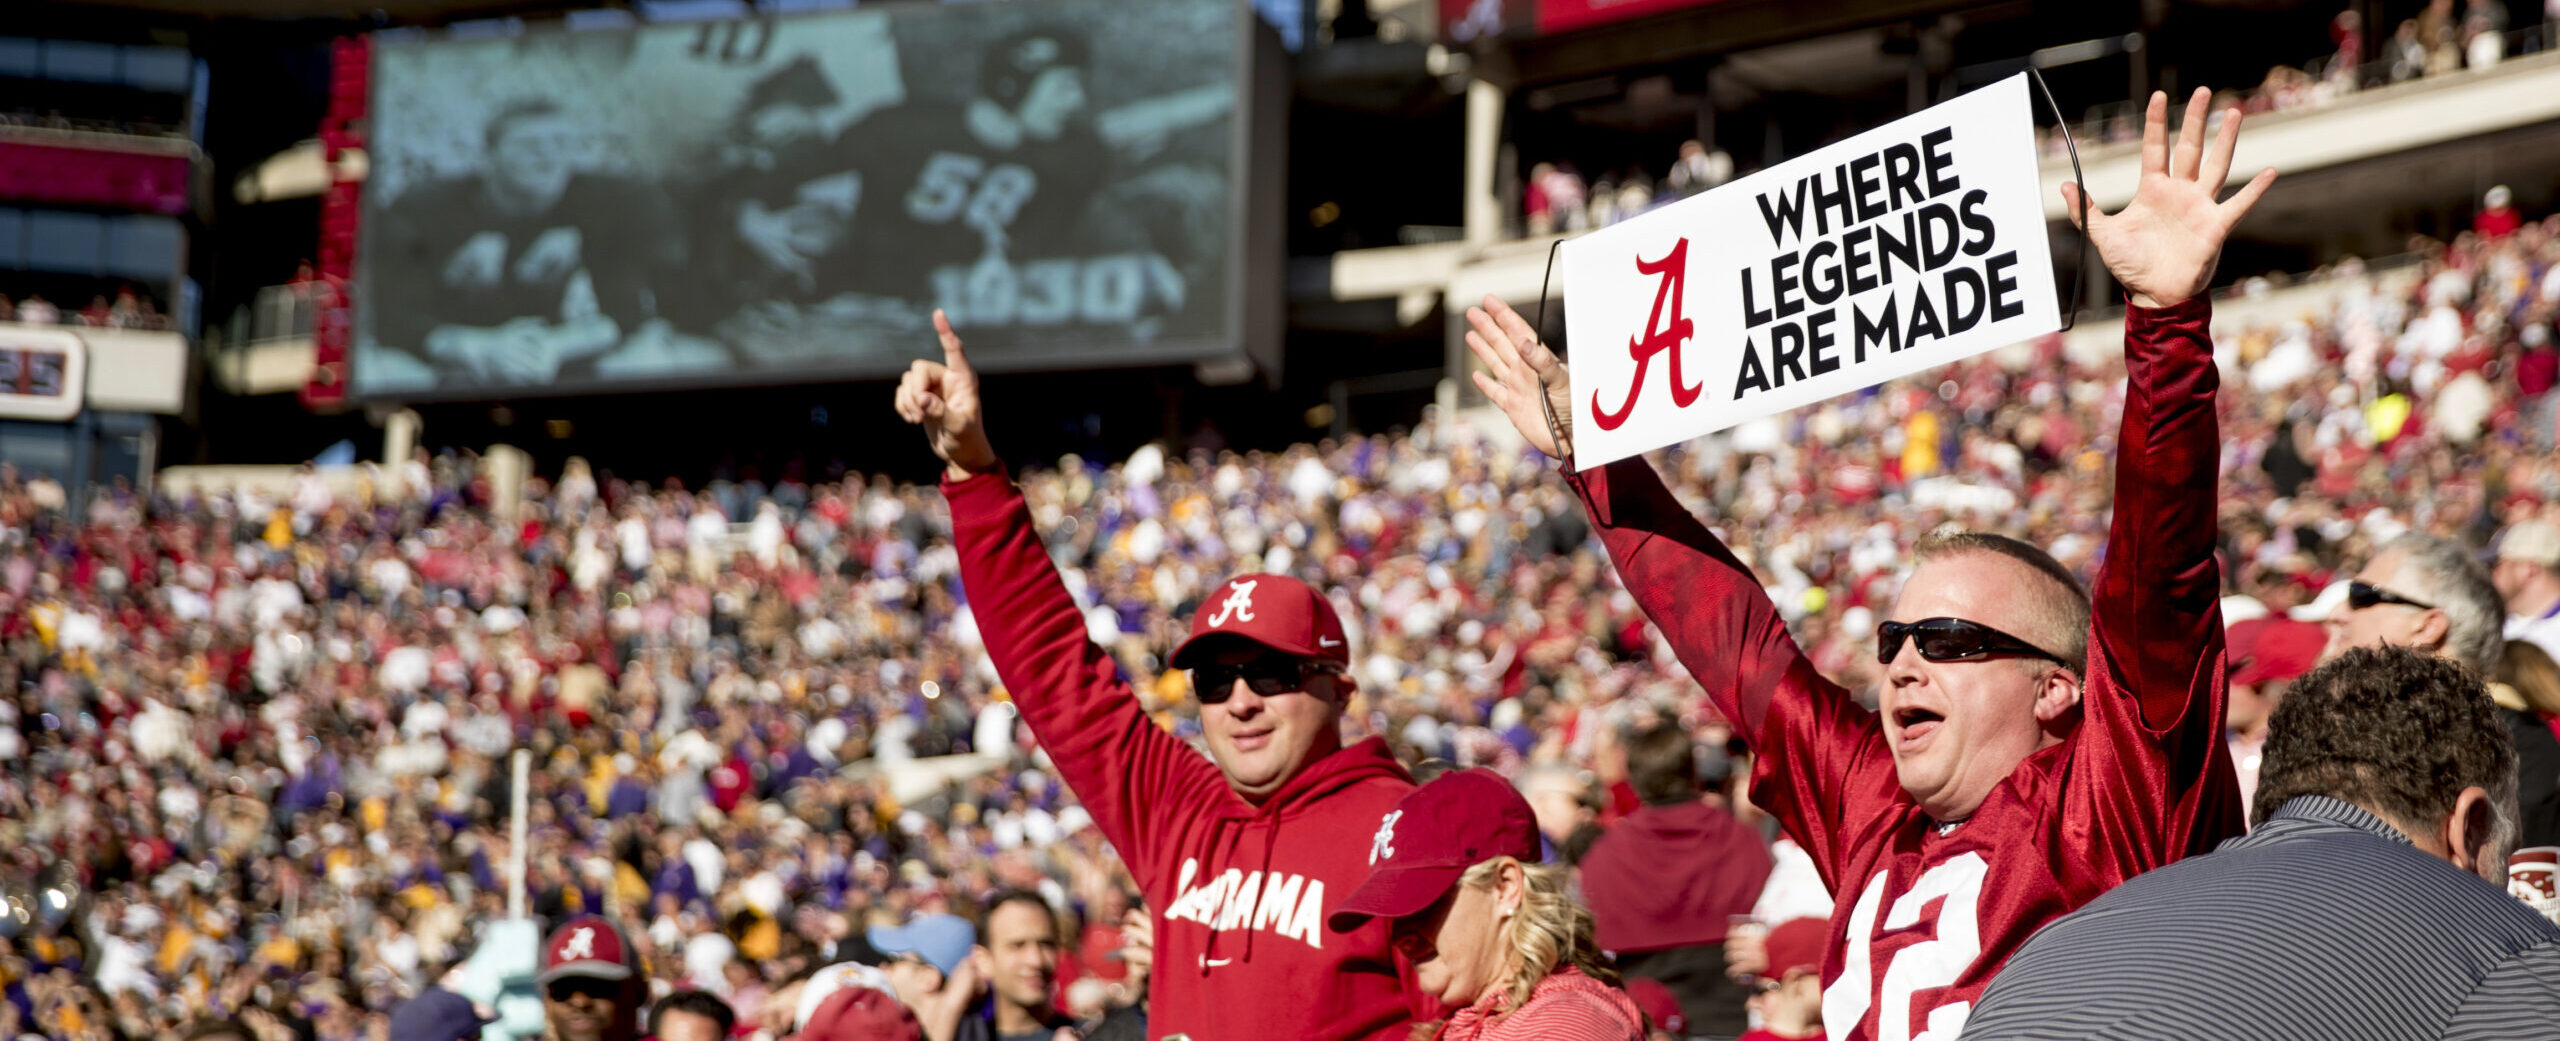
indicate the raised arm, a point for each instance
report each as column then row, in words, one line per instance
column 2157, row 683
column 1131, row 775
column 1814, row 743
column 2155, row 604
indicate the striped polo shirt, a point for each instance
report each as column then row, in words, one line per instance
column 2323, row 923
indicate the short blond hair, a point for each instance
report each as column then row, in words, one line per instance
column 2061, row 603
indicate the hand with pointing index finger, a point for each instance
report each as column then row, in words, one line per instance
column 2162, row 246
column 1518, row 372
column 942, row 397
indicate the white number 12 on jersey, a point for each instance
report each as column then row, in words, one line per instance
column 1921, row 966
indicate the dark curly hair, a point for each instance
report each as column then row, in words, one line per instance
column 2391, row 730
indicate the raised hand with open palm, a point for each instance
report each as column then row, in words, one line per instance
column 2163, row 245
column 1521, row 376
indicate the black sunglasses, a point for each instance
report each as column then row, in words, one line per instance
column 1269, row 676
column 2362, row 594
column 1954, row 639
column 566, row 987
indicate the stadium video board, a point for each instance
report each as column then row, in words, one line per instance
column 754, row 201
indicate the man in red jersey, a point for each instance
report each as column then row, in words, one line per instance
column 1245, row 851
column 2037, row 744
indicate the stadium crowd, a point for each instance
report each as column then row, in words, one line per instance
column 130, row 308
column 256, row 748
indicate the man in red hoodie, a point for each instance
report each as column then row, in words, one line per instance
column 1669, row 926
column 1245, row 850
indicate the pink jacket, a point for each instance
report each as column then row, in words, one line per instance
column 1566, row 1006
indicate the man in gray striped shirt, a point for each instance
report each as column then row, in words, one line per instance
column 2361, row 907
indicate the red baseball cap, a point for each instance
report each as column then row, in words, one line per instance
column 588, row 945
column 1661, row 1007
column 861, row 1014
column 1796, row 946
column 2262, row 650
column 1435, row 833
column 1276, row 611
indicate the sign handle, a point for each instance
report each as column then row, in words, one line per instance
column 1547, row 278
column 2061, row 122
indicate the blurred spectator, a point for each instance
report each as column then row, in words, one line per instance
column 36, row 310
column 2384, row 788
column 2526, row 687
column 861, row 1014
column 1560, row 795
column 1697, row 169
column 2440, row 32
column 2265, row 656
column 2407, row 52
column 437, row 1014
column 1129, row 1021
column 1536, row 206
column 2498, row 217
column 1671, row 926
column 2346, row 33
column 1555, row 202
column 1787, row 994
column 127, row 311
column 1662, row 1016
column 592, row 989
column 932, row 971
column 1603, row 207
column 1021, row 970
column 2484, row 27
column 691, row 1015
column 940, row 940
column 2527, row 576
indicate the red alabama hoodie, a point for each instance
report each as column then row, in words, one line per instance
column 1239, row 892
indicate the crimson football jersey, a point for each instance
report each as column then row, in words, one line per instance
column 1928, row 911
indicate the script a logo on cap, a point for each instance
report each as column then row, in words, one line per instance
column 580, row 945
column 1238, row 605
column 1383, row 845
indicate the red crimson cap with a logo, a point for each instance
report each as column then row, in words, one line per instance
column 1276, row 611
column 588, row 946
column 1435, row 833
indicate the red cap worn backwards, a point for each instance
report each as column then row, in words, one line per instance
column 1431, row 838
column 590, row 946
column 1276, row 611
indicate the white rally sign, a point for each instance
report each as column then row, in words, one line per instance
column 1909, row 246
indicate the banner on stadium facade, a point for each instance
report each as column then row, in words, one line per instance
column 1909, row 246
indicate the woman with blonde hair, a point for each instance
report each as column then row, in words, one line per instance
column 2526, row 686
column 1497, row 944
